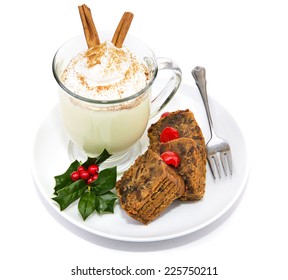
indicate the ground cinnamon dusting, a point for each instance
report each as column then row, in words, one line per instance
column 94, row 54
column 83, row 81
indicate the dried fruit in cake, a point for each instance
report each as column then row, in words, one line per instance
column 183, row 121
column 192, row 167
column 148, row 187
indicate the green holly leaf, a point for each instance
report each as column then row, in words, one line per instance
column 105, row 203
column 102, row 157
column 64, row 179
column 70, row 193
column 86, row 205
column 106, row 181
column 97, row 160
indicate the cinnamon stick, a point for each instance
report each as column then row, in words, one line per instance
column 90, row 31
column 122, row 29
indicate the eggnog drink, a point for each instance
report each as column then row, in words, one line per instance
column 109, row 76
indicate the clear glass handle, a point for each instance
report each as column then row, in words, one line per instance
column 171, row 87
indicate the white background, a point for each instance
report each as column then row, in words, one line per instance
column 242, row 44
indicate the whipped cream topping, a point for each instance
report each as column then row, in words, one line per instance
column 105, row 72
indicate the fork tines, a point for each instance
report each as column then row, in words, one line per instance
column 226, row 161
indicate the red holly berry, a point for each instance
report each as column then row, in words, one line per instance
column 75, row 175
column 89, row 181
column 95, row 177
column 93, row 169
column 84, row 175
column 81, row 168
column 165, row 114
column 92, row 178
column 171, row 158
column 168, row 134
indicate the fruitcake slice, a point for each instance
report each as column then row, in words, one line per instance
column 148, row 187
column 183, row 121
column 192, row 167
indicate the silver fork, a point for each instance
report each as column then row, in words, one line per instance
column 216, row 144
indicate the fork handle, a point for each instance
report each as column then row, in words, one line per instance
column 199, row 75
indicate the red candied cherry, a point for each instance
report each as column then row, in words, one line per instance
column 171, row 158
column 93, row 169
column 84, row 175
column 81, row 168
column 165, row 114
column 75, row 175
column 168, row 133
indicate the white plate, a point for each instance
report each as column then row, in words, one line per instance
column 50, row 158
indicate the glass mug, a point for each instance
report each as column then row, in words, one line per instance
column 114, row 125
